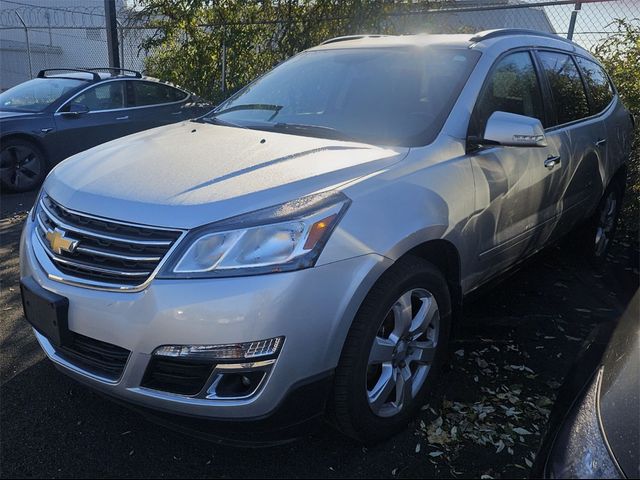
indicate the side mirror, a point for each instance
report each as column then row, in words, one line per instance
column 75, row 110
column 512, row 130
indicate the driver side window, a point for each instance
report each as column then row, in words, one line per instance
column 513, row 87
column 108, row 96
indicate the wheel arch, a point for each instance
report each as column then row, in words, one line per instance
column 440, row 252
column 445, row 257
column 27, row 138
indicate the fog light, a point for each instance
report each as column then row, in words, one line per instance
column 236, row 385
column 258, row 350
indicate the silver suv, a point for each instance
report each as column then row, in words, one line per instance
column 305, row 248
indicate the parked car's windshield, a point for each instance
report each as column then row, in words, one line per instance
column 385, row 96
column 37, row 94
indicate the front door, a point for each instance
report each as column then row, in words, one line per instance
column 508, row 200
column 105, row 118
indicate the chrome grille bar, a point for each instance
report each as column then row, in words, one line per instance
column 101, row 252
column 104, row 253
column 90, row 233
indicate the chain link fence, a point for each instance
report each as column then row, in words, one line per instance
column 39, row 34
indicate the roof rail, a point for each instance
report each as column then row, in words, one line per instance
column 125, row 71
column 503, row 32
column 43, row 73
column 350, row 37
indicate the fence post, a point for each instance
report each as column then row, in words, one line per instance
column 224, row 59
column 112, row 33
column 121, row 43
column 26, row 33
column 572, row 22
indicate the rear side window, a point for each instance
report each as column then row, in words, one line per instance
column 513, row 87
column 569, row 97
column 151, row 93
column 107, row 96
column 598, row 84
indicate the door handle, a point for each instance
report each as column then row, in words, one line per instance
column 601, row 142
column 552, row 161
column 177, row 113
column 126, row 117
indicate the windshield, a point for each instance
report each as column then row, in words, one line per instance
column 37, row 94
column 385, row 96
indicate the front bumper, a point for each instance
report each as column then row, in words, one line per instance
column 311, row 308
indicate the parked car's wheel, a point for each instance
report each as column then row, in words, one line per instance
column 23, row 166
column 602, row 226
column 393, row 351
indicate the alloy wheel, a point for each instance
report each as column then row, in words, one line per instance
column 402, row 352
column 20, row 167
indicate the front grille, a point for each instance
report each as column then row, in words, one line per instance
column 173, row 375
column 94, row 356
column 106, row 251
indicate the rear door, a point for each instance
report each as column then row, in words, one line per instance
column 567, row 194
column 155, row 104
column 106, row 118
column 601, row 95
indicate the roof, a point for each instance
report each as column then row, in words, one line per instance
column 381, row 41
column 484, row 39
column 82, row 75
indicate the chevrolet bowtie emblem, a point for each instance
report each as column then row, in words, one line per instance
column 59, row 243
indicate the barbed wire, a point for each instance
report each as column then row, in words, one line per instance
column 56, row 17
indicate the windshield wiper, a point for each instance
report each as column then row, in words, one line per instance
column 218, row 121
column 250, row 106
column 319, row 130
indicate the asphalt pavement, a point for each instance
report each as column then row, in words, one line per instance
column 486, row 416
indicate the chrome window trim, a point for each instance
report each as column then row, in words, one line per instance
column 76, row 95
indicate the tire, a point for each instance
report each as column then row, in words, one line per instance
column 362, row 406
column 23, row 166
column 601, row 228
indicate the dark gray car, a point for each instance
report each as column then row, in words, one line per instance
column 49, row 118
column 595, row 426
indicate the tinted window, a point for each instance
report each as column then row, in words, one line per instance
column 384, row 96
column 566, row 85
column 512, row 87
column 37, row 94
column 598, row 84
column 107, row 96
column 151, row 93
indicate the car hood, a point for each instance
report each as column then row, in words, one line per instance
column 190, row 174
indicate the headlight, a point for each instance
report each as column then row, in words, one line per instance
column 580, row 449
column 276, row 239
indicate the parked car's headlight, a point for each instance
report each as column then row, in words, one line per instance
column 579, row 449
column 276, row 239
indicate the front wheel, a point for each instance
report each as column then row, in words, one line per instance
column 23, row 166
column 393, row 351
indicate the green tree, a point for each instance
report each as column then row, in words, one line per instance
column 187, row 46
column 620, row 55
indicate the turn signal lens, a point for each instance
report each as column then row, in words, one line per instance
column 317, row 230
column 237, row 351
